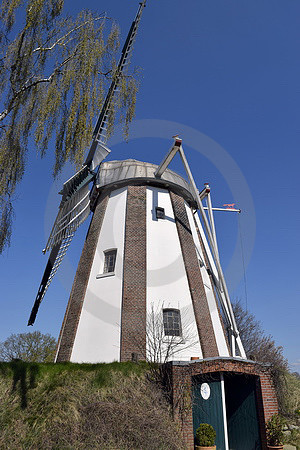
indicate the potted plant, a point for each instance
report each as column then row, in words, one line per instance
column 274, row 431
column 205, row 437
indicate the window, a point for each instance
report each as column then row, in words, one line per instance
column 172, row 322
column 109, row 261
column 160, row 212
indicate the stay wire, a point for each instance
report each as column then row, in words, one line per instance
column 243, row 261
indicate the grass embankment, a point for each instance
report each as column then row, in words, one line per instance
column 83, row 406
column 292, row 409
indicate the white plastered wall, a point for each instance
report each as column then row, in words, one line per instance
column 213, row 309
column 167, row 284
column 98, row 334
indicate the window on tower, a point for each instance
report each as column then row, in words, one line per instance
column 109, row 261
column 160, row 212
column 172, row 322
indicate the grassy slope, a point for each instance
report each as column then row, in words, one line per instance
column 82, row 406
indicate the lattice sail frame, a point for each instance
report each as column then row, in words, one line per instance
column 75, row 204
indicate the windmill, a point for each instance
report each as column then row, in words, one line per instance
column 192, row 294
column 75, row 204
column 149, row 285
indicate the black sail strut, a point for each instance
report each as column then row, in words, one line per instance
column 42, row 288
column 74, row 207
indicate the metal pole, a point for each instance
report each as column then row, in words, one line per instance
column 224, row 412
column 177, row 146
column 168, row 158
column 211, row 219
column 211, row 241
column 223, row 209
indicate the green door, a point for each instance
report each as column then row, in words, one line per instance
column 241, row 411
column 207, row 406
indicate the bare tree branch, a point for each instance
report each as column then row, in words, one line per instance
column 62, row 38
column 30, row 85
column 160, row 348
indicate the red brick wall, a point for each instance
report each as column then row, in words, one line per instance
column 73, row 311
column 133, row 321
column 197, row 290
column 270, row 403
column 181, row 388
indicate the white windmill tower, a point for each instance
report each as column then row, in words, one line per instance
column 148, row 267
column 147, row 259
column 149, row 285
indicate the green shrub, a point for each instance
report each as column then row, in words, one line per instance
column 205, row 435
column 292, row 397
column 274, row 430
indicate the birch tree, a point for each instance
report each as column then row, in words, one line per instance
column 54, row 71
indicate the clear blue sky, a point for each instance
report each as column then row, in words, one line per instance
column 226, row 75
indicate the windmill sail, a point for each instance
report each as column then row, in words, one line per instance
column 74, row 207
column 100, row 133
column 75, row 204
column 55, row 258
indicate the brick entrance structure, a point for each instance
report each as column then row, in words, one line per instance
column 180, row 376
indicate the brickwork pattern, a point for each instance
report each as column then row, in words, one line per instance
column 265, row 391
column 212, row 283
column 73, row 311
column 270, row 404
column 181, row 388
column 197, row 290
column 133, row 321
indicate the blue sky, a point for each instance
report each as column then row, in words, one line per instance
column 225, row 75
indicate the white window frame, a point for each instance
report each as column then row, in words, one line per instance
column 105, row 273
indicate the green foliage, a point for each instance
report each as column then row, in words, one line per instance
column 292, row 409
column 54, row 71
column 293, row 438
column 274, row 430
column 5, row 221
column 31, row 347
column 64, row 406
column 292, row 397
column 205, row 435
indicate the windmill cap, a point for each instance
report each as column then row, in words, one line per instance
column 130, row 171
